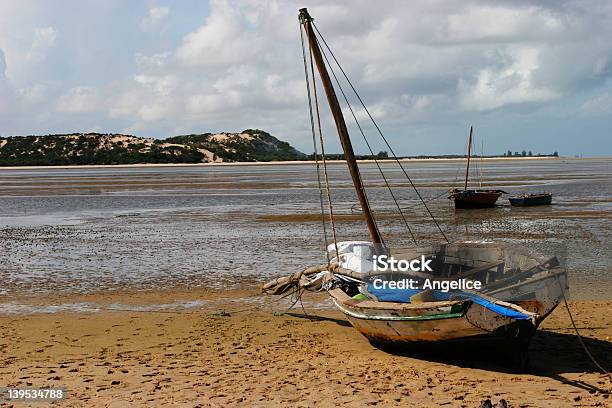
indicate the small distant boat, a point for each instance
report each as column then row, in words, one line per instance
column 527, row 200
column 475, row 198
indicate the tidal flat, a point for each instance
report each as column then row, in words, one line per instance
column 139, row 285
column 97, row 230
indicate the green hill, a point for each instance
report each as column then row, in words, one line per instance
column 250, row 145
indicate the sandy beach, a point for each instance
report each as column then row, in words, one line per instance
column 216, row 356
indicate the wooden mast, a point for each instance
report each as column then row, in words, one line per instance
column 336, row 111
column 467, row 169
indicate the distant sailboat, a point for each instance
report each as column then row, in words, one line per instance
column 478, row 198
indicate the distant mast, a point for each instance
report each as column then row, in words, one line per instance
column 467, row 169
column 306, row 21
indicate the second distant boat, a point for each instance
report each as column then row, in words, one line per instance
column 528, row 200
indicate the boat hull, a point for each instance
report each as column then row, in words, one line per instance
column 422, row 322
column 473, row 199
column 420, row 331
column 514, row 336
column 416, row 332
column 444, row 321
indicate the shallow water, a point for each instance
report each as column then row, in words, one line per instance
column 105, row 229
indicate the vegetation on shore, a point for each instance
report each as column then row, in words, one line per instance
column 383, row 155
column 95, row 148
column 250, row 145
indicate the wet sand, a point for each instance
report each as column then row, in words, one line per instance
column 217, row 355
column 83, row 230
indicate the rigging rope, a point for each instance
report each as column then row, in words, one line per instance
column 380, row 132
column 586, row 350
column 354, row 208
column 314, row 142
column 321, row 137
column 472, row 168
column 476, row 173
column 456, row 183
column 324, row 160
column 369, row 147
column 480, row 162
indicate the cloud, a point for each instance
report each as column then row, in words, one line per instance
column 5, row 88
column 43, row 40
column 511, row 82
column 2, row 65
column 34, row 94
column 242, row 64
column 154, row 61
column 160, row 85
column 598, row 105
column 154, row 18
column 80, row 99
column 44, row 37
column 422, row 67
column 478, row 23
column 148, row 97
column 230, row 35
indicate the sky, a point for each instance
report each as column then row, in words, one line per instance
column 527, row 75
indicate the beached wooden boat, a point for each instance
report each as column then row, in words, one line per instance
column 514, row 278
column 474, row 198
column 518, row 288
column 527, row 200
